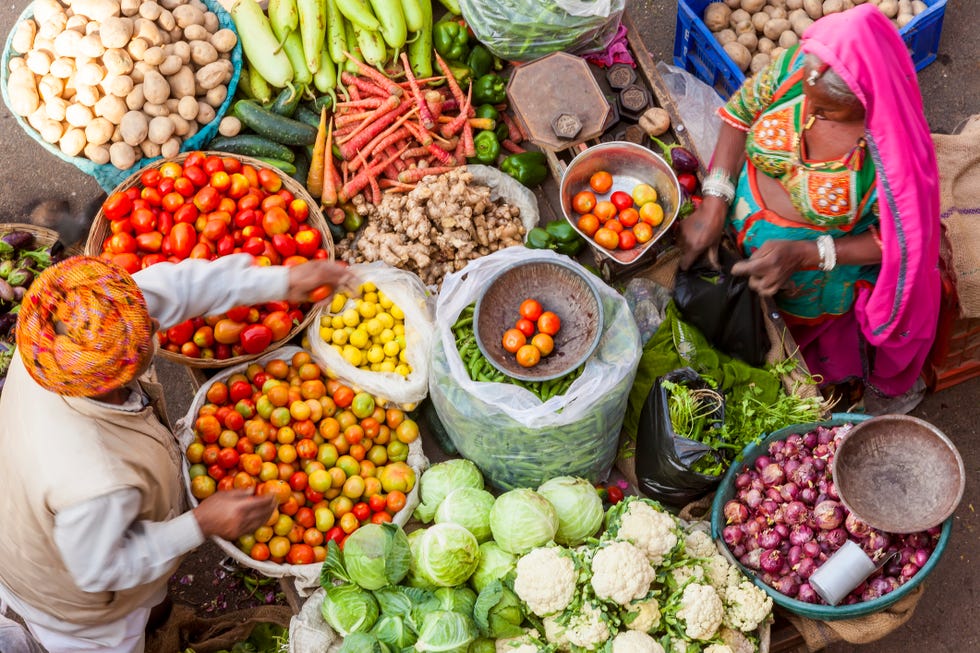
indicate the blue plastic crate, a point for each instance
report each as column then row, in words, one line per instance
column 697, row 51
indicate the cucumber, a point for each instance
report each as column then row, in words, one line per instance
column 287, row 100
column 319, row 102
column 307, row 116
column 252, row 145
column 285, row 166
column 302, row 166
column 273, row 126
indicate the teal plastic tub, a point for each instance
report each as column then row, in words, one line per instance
column 108, row 175
column 817, row 611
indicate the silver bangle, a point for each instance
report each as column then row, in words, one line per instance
column 718, row 183
column 828, row 252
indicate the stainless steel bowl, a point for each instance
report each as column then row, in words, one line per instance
column 630, row 165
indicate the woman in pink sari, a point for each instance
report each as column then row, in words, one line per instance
column 825, row 173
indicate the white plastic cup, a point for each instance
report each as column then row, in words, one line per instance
column 843, row 571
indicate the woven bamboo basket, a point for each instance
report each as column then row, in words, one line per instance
column 42, row 235
column 101, row 230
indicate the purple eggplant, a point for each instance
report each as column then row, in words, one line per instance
column 18, row 240
column 679, row 158
column 21, row 277
column 7, row 323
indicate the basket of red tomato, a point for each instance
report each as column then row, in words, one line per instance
column 206, row 205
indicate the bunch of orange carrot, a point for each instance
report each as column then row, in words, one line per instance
column 388, row 135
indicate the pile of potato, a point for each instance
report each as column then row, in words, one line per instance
column 117, row 80
column 754, row 32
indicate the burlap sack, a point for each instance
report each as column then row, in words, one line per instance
column 959, row 186
column 185, row 629
column 783, row 347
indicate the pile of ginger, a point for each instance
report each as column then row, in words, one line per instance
column 434, row 229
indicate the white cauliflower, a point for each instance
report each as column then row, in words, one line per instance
column 585, row 629
column 642, row 615
column 545, row 580
column 698, row 544
column 717, row 648
column 720, row 574
column 633, row 641
column 652, row 531
column 524, row 643
column 746, row 606
column 621, row 573
column 702, row 611
column 680, row 575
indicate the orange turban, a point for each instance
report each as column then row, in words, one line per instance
column 83, row 328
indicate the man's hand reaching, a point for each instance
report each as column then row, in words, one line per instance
column 316, row 280
column 232, row 513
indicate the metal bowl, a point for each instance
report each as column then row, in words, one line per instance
column 899, row 474
column 561, row 288
column 630, row 165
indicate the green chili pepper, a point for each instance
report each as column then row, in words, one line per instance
column 480, row 61
column 538, row 238
column 487, row 148
column 489, row 89
column 451, row 40
column 529, row 168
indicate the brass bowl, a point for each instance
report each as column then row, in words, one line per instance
column 630, row 165
column 899, row 474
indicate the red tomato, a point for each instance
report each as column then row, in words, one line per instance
column 150, row 177
column 214, row 230
column 513, row 340
column 531, row 309
column 124, row 226
column 614, row 493
column 298, row 210
column 621, row 200
column 226, row 245
column 307, row 242
column 275, row 221
column 122, row 243
column 688, row 182
column 172, row 201
column 152, row 196
column 377, row 502
column 255, row 338
column 239, row 390
column 195, row 175
column 300, row 554
column 128, row 262
column 153, row 259
column 184, row 186
column 238, row 186
column 583, row 202
column 143, row 221
column 213, row 164
column 627, row 240
column 284, row 244
column 186, row 213
column 208, row 198
column 525, row 326
column 254, row 246
column 361, row 510
column 231, row 164
column 269, row 180
column 150, row 242
column 238, row 314
column 549, row 323
column 279, row 323
column 181, row 333
column 117, row 206
column 182, row 239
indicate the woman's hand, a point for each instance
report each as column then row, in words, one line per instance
column 233, row 513
column 701, row 232
column 311, row 276
column 771, row 266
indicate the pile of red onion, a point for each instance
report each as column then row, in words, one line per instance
column 786, row 519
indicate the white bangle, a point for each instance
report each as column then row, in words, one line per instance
column 828, row 252
column 719, row 184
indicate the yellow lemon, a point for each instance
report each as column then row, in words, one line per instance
column 386, row 320
column 352, row 355
column 351, row 317
column 384, row 301
column 367, row 309
column 386, row 366
column 339, row 337
column 400, row 339
column 375, row 367
column 376, row 354
column 399, row 329
column 326, row 333
column 337, row 322
column 337, row 348
column 373, row 326
column 391, row 348
column 325, row 321
column 367, row 287
column 386, row 336
column 396, row 312
column 403, row 369
column 403, row 356
column 359, row 338
column 337, row 303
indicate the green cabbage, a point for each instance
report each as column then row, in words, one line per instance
column 495, row 564
column 363, row 643
column 521, row 520
column 393, row 631
column 456, row 599
column 349, row 609
column 498, row 612
column 470, row 508
column 578, row 507
column 377, row 555
column 441, row 479
column 446, row 555
column 445, row 632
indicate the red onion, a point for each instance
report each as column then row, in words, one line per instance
column 735, row 512
column 807, row 594
column 878, row 587
column 935, row 531
column 834, row 539
column 875, row 542
column 832, row 491
column 755, row 525
column 773, row 494
column 856, row 527
column 738, row 550
column 742, row 480
column 828, row 515
column 804, row 475
column 732, row 535
column 819, row 464
column 772, row 474
column 801, row 534
column 909, row 570
column 770, row 539
column 786, row 585
column 921, row 557
column 756, row 483
column 789, row 491
column 808, row 495
column 824, row 435
column 794, row 555
column 806, row 568
column 791, row 466
column 810, row 440
column 781, row 529
column 776, row 448
column 752, row 559
column 917, row 540
column 753, row 498
column 762, row 462
column 796, row 513
column 905, row 554
column 894, row 567
column 821, row 451
column 811, row 549
column 768, row 508
column 771, row 561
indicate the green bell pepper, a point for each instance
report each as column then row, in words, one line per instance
column 487, row 148
column 529, row 168
column 480, row 61
column 567, row 240
column 487, row 111
column 489, row 89
column 538, row 238
column 451, row 40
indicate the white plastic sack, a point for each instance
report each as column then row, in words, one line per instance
column 518, row 30
column 308, row 632
column 697, row 104
column 515, row 439
column 407, row 291
column 307, row 577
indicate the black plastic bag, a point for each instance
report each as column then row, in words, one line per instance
column 724, row 308
column 664, row 460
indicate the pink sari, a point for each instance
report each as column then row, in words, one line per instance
column 896, row 318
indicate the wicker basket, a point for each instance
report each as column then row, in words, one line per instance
column 42, row 235
column 101, row 230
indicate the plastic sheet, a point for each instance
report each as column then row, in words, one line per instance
column 514, row 438
column 408, row 293
column 697, row 104
column 647, row 300
column 518, row 30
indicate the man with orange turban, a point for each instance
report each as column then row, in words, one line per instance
column 95, row 510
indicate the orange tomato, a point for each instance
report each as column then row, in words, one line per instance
column 643, row 232
column 588, row 224
column 528, row 356
column 583, row 202
column 530, row 309
column 629, row 217
column 606, row 238
column 614, row 225
column 644, row 194
column 601, row 181
column 513, row 340
column 652, row 213
column 549, row 323
column 544, row 343
column 605, row 211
